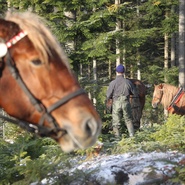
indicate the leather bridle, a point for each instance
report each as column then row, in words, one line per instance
column 159, row 98
column 53, row 130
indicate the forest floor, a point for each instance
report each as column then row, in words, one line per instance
column 130, row 169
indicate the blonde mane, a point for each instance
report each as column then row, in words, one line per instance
column 169, row 91
column 40, row 36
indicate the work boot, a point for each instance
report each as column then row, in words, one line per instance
column 116, row 132
column 130, row 128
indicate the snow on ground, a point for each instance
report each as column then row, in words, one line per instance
column 130, row 169
column 154, row 168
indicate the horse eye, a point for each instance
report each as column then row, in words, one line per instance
column 36, row 62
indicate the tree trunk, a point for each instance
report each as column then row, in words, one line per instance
column 95, row 81
column 181, row 43
column 173, row 48
column 89, row 71
column 166, row 43
column 166, row 57
column 124, row 48
column 138, row 54
column 173, row 44
column 110, row 71
column 138, row 65
column 165, row 63
column 118, row 27
column 81, row 70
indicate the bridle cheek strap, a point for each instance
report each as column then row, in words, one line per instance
column 59, row 103
column 65, row 99
column 159, row 98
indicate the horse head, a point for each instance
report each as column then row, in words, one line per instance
column 157, row 95
column 38, row 87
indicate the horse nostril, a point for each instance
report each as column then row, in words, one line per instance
column 90, row 127
column 154, row 105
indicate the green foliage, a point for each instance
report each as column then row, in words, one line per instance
column 89, row 32
column 180, row 174
column 92, row 31
column 171, row 75
column 172, row 134
column 30, row 159
column 160, row 137
column 3, row 7
column 12, row 131
column 156, row 70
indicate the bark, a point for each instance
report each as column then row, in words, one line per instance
column 165, row 63
column 89, row 72
column 166, row 45
column 110, row 71
column 95, row 81
column 81, row 70
column 94, row 71
column 181, row 43
column 138, row 53
column 166, row 57
column 173, row 48
column 173, row 45
column 118, row 27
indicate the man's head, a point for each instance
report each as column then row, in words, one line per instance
column 120, row 69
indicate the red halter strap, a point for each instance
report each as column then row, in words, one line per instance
column 16, row 38
column 177, row 98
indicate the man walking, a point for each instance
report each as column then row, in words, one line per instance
column 119, row 90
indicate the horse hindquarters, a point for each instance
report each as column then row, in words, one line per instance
column 137, row 103
column 136, row 111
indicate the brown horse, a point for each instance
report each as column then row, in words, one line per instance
column 171, row 97
column 137, row 103
column 38, row 87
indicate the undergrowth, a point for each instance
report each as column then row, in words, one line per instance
column 168, row 136
column 31, row 160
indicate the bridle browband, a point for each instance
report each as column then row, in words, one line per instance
column 40, row 129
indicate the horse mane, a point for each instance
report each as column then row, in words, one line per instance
column 40, row 36
column 169, row 91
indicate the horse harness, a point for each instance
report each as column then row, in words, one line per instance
column 40, row 129
column 176, row 98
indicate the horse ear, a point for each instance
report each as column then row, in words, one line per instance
column 3, row 48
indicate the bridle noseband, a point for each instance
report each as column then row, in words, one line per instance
column 40, row 129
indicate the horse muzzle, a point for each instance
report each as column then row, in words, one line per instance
column 154, row 105
column 80, row 138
